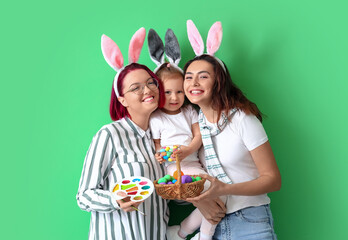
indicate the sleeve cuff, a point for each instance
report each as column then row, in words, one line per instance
column 257, row 144
column 114, row 203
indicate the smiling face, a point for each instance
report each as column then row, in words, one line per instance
column 174, row 94
column 144, row 103
column 198, row 83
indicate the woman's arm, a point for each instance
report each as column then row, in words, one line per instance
column 195, row 144
column 90, row 196
column 268, row 181
column 212, row 209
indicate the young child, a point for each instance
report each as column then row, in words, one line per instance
column 177, row 124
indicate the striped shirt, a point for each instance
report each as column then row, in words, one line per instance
column 118, row 150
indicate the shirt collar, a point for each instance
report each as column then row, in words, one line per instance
column 138, row 129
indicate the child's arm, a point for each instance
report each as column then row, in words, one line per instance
column 195, row 144
column 158, row 147
column 157, row 144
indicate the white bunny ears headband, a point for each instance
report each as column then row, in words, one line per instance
column 213, row 40
column 113, row 55
column 157, row 50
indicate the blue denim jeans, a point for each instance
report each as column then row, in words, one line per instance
column 252, row 223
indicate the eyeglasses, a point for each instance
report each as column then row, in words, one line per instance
column 138, row 88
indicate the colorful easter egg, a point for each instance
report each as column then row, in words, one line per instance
column 166, row 152
column 186, row 179
column 168, row 177
column 162, row 180
column 175, row 174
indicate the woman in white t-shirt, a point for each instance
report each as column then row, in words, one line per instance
column 240, row 159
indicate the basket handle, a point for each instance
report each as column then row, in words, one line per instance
column 178, row 168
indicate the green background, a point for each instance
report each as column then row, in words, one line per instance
column 290, row 57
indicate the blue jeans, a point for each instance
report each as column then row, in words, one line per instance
column 252, row 223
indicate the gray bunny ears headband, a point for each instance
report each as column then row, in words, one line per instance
column 114, row 58
column 113, row 55
column 157, row 50
column 213, row 40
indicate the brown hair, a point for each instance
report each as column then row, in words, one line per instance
column 229, row 95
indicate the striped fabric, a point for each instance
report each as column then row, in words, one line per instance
column 121, row 149
column 213, row 165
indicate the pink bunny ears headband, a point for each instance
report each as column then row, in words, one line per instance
column 113, row 55
column 213, row 40
column 157, row 49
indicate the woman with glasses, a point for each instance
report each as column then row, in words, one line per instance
column 121, row 149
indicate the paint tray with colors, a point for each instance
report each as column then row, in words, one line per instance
column 137, row 188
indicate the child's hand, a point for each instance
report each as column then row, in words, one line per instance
column 159, row 158
column 182, row 152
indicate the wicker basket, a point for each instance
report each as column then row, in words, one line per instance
column 178, row 190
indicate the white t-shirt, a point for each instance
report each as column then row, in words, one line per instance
column 175, row 129
column 232, row 146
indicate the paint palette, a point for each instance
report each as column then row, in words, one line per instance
column 137, row 188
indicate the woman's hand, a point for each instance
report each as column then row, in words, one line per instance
column 216, row 189
column 127, row 205
column 209, row 203
column 212, row 209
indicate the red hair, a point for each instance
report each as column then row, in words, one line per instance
column 117, row 110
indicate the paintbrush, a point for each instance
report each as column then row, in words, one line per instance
column 135, row 208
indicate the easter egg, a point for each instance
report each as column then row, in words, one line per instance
column 186, row 179
column 175, row 174
column 162, row 180
column 174, row 181
column 169, row 182
column 162, row 183
column 168, row 177
column 198, row 178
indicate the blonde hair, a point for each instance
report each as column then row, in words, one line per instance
column 166, row 70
